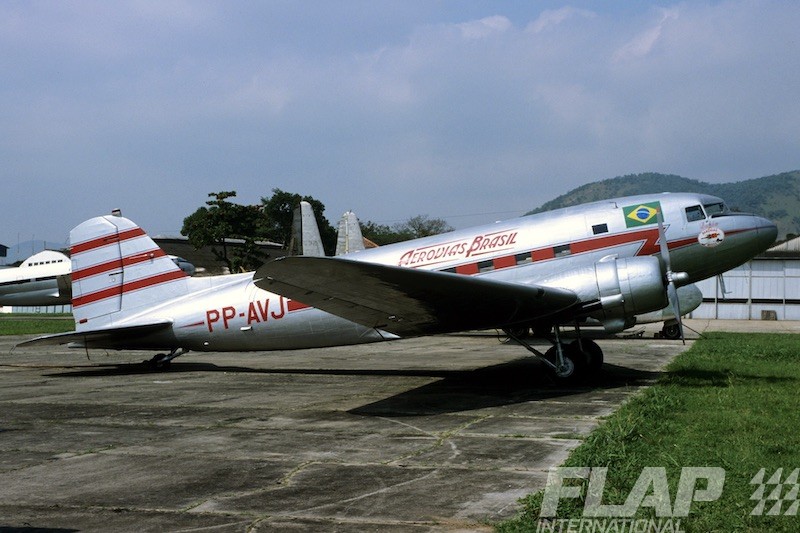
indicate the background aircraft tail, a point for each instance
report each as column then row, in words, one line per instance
column 117, row 271
column 305, row 232
column 349, row 238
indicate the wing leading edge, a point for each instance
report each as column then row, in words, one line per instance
column 406, row 301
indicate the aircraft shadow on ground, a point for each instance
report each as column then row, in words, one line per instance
column 517, row 381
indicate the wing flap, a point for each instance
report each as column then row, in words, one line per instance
column 407, row 301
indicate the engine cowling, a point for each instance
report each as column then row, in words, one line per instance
column 615, row 290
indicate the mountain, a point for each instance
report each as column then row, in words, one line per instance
column 774, row 197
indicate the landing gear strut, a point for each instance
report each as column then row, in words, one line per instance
column 572, row 362
column 161, row 361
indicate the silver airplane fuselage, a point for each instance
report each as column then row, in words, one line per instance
column 231, row 313
column 596, row 260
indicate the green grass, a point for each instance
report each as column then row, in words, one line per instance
column 731, row 401
column 18, row 324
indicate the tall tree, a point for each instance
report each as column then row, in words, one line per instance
column 279, row 212
column 222, row 221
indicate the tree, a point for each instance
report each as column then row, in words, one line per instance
column 413, row 228
column 381, row 234
column 279, row 213
column 222, row 221
column 424, row 226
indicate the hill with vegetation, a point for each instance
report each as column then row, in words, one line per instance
column 775, row 197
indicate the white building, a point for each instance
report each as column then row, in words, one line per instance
column 765, row 288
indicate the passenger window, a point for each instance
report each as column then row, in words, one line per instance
column 600, row 228
column 694, row 213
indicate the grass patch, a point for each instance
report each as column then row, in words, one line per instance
column 731, row 401
column 35, row 324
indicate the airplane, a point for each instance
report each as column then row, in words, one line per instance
column 609, row 260
column 42, row 279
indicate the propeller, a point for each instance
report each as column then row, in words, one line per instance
column 672, row 291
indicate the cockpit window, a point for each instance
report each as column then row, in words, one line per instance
column 715, row 208
column 694, row 213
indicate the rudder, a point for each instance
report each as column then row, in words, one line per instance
column 116, row 270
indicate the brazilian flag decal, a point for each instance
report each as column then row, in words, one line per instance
column 641, row 214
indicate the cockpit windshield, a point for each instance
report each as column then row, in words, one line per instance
column 716, row 208
column 713, row 209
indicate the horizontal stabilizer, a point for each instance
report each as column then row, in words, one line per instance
column 105, row 338
column 407, row 301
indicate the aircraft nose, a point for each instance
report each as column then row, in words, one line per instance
column 767, row 232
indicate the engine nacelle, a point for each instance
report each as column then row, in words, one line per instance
column 615, row 290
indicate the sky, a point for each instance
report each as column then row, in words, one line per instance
column 468, row 111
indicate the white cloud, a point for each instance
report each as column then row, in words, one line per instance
column 479, row 29
column 552, row 18
column 643, row 43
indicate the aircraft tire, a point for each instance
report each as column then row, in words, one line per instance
column 576, row 370
column 593, row 354
column 520, row 332
column 671, row 331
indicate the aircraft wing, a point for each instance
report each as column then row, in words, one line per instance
column 406, row 301
column 105, row 336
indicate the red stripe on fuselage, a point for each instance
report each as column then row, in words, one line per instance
column 109, row 266
column 105, row 240
column 647, row 239
column 296, row 306
column 649, row 236
column 118, row 290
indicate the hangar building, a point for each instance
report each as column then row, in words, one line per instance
column 765, row 288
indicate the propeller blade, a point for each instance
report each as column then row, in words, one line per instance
column 662, row 244
column 672, row 292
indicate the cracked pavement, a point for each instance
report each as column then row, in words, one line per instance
column 433, row 434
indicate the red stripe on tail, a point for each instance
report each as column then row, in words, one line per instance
column 128, row 287
column 105, row 240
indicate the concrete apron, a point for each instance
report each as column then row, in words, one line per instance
column 437, row 433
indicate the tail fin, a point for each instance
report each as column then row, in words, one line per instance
column 349, row 237
column 117, row 270
column 305, row 232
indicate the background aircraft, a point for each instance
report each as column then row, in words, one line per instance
column 42, row 279
column 609, row 261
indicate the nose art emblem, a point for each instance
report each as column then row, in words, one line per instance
column 711, row 236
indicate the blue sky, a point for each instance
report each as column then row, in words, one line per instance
column 470, row 111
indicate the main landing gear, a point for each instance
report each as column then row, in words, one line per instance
column 161, row 361
column 574, row 362
column 671, row 330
